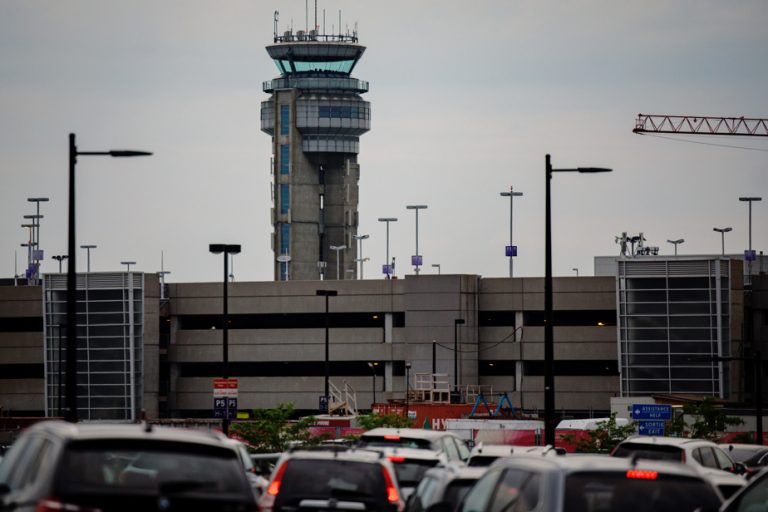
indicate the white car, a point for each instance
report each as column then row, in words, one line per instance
column 454, row 448
column 411, row 464
column 486, row 454
column 709, row 457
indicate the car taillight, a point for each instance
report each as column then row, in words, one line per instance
column 396, row 458
column 274, row 486
column 640, row 474
column 392, row 495
column 392, row 438
column 56, row 505
column 682, row 457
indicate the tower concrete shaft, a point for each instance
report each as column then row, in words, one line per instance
column 315, row 115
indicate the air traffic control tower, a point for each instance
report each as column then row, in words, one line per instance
column 315, row 116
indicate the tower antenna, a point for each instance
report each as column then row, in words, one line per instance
column 339, row 21
column 324, row 32
column 277, row 14
column 315, row 27
column 306, row 15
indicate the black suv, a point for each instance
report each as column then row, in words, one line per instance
column 331, row 479
column 58, row 466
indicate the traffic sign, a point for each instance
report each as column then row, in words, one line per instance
column 416, row 261
column 323, row 403
column 510, row 250
column 651, row 412
column 651, row 428
column 750, row 255
column 386, row 269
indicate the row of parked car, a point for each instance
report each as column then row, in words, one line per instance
column 57, row 466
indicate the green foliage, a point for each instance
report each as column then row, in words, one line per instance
column 373, row 420
column 709, row 421
column 604, row 438
column 271, row 430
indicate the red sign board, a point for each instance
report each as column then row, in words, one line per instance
column 225, row 388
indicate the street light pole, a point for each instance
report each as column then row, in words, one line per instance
column 326, row 294
column 722, row 232
column 576, row 270
column 360, row 258
column 59, row 258
column 37, row 201
column 387, row 268
column 416, row 261
column 227, row 249
column 338, row 249
column 676, row 243
column 128, row 265
column 372, row 366
column 549, row 345
column 88, row 258
column 71, row 377
column 512, row 194
column 750, row 257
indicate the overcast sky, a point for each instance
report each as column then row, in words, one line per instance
column 466, row 98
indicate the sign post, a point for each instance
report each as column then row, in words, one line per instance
column 225, row 398
column 651, row 418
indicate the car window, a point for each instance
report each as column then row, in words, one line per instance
column 23, row 473
column 697, row 456
column 463, row 450
column 410, row 471
column 395, row 441
column 121, row 466
column 450, row 448
column 619, row 491
column 481, row 460
column 12, row 462
column 518, row 491
column 753, row 499
column 648, row 451
column 478, row 497
column 708, row 458
column 723, row 461
column 423, row 496
column 456, row 490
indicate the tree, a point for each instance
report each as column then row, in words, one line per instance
column 604, row 438
column 272, row 430
column 709, row 421
column 373, row 420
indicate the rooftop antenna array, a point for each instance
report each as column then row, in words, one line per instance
column 277, row 14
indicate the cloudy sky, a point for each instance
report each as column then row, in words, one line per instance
column 467, row 99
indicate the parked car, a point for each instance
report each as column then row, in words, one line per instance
column 444, row 485
column 752, row 498
column 410, row 464
column 252, row 472
column 588, row 484
column 57, row 466
column 330, row 479
column 486, row 454
column 454, row 448
column 753, row 456
column 706, row 455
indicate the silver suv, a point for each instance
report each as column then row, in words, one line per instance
column 58, row 466
column 332, row 478
column 440, row 441
column 709, row 457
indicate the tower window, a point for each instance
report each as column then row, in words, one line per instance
column 285, row 198
column 285, row 159
column 284, row 119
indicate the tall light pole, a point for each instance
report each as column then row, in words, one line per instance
column 227, row 249
column 676, row 243
column 372, row 366
column 416, row 260
column 71, row 384
column 360, row 258
column 576, row 270
column 128, row 265
column 37, row 201
column 750, row 256
column 338, row 249
column 549, row 345
column 59, row 258
column 456, row 323
column 511, row 251
column 88, row 258
column 326, row 392
column 387, row 268
column 407, row 386
column 722, row 232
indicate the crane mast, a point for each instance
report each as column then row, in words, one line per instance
column 698, row 125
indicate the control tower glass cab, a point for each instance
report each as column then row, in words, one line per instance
column 315, row 115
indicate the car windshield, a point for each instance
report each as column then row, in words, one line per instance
column 649, row 451
column 410, row 471
column 481, row 460
column 748, row 456
column 603, row 491
column 124, row 466
column 395, row 441
column 331, row 478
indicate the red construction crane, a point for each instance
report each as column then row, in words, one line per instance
column 743, row 126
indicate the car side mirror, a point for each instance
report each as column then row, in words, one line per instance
column 739, row 468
